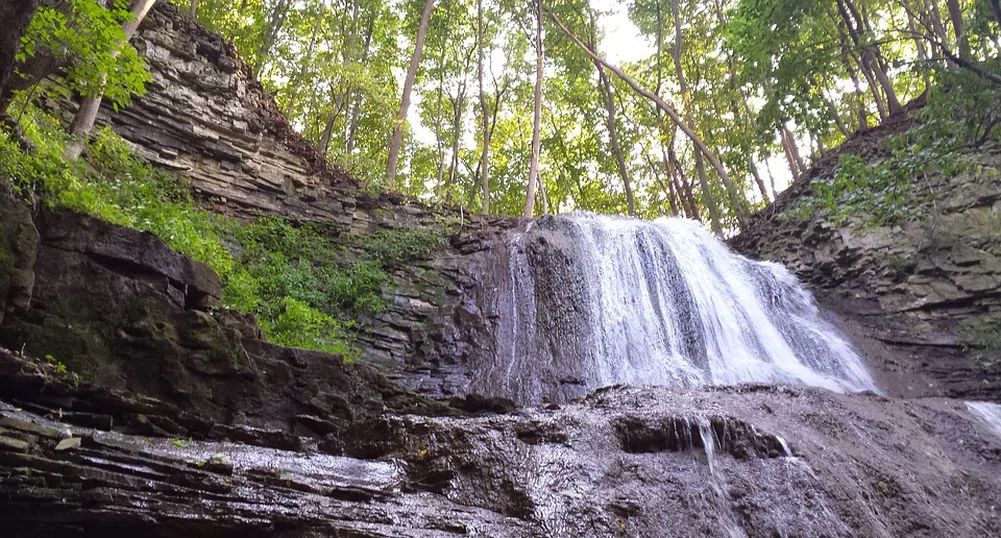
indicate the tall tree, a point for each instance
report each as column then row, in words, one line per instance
column 484, row 169
column 533, row 171
column 956, row 18
column 700, row 145
column 708, row 199
column 608, row 99
column 86, row 114
column 396, row 140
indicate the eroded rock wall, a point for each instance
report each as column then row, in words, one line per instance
column 207, row 118
column 118, row 309
column 917, row 291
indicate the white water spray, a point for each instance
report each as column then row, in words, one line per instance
column 591, row 301
column 989, row 413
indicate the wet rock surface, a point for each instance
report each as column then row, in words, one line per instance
column 645, row 462
column 916, row 291
column 185, row 422
column 780, row 461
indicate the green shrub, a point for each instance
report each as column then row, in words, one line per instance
column 985, row 342
column 395, row 247
column 297, row 324
column 303, row 290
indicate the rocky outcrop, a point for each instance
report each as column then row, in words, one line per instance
column 916, row 290
column 18, row 242
column 122, row 311
column 205, row 117
column 746, row 461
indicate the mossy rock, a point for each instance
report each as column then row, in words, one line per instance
column 18, row 246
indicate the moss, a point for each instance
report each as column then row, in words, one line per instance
column 80, row 347
column 204, row 333
column 984, row 341
column 899, row 267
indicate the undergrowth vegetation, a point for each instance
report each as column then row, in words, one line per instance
column 962, row 112
column 985, row 342
column 305, row 285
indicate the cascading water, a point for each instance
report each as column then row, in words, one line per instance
column 989, row 413
column 590, row 301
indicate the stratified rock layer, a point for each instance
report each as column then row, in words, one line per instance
column 916, row 290
column 744, row 461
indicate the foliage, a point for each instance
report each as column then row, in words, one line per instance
column 881, row 193
column 304, row 285
column 962, row 111
column 88, row 39
column 985, row 340
column 963, row 108
column 394, row 247
column 752, row 68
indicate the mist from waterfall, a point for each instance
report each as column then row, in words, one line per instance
column 591, row 301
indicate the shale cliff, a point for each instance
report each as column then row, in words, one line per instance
column 926, row 292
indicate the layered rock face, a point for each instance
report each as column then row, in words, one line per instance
column 122, row 311
column 919, row 290
column 206, row 117
column 131, row 404
column 746, row 461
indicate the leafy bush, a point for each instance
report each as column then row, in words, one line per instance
column 304, row 290
column 300, row 325
column 884, row 193
column 395, row 247
column 87, row 37
column 985, row 341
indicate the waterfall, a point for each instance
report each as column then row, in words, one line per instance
column 589, row 301
column 989, row 413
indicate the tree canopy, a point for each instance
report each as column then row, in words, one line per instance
column 703, row 109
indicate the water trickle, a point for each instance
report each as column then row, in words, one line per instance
column 589, row 301
column 989, row 413
column 786, row 451
column 717, row 482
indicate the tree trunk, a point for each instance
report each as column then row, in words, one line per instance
column 796, row 166
column 668, row 187
column 708, row 200
column 396, row 140
column 484, row 113
column 533, row 170
column 86, row 115
column 833, row 110
column 919, row 40
column 756, row 175
column 297, row 79
column 193, row 9
column 956, row 17
column 276, row 20
column 614, row 138
column 684, row 186
column 771, row 178
column 873, row 65
column 608, row 99
column 440, row 94
column 328, row 131
column 349, row 140
column 16, row 15
column 931, row 7
column 458, row 106
column 671, row 113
